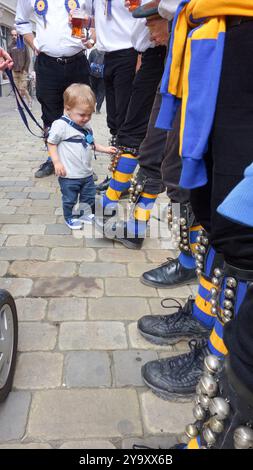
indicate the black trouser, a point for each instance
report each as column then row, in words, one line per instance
column 145, row 84
column 98, row 87
column 230, row 152
column 52, row 79
column 119, row 73
column 159, row 158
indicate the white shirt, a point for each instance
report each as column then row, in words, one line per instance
column 55, row 39
column 140, row 35
column 113, row 32
column 75, row 158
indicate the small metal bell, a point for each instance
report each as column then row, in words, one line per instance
column 228, row 304
column 198, row 239
column 213, row 292
column 216, row 425
column 198, row 389
column 208, row 386
column 202, row 249
column 198, row 271
column 186, row 248
column 184, row 234
column 139, row 188
column 201, row 233
column 215, row 281
column 217, row 272
column 198, row 412
column 199, row 257
column 191, row 431
column 212, row 363
column 204, row 401
column 214, row 310
column 213, row 302
column 231, row 282
column 131, row 189
column 209, row 436
column 133, row 199
column 219, row 407
column 185, row 242
column 243, row 438
column 228, row 314
column 205, row 241
column 229, row 293
column 182, row 221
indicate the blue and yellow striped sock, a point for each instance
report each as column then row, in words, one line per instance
column 194, row 443
column 136, row 226
column 120, row 180
column 202, row 306
column 216, row 343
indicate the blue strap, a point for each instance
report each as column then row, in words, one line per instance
column 87, row 135
column 22, row 110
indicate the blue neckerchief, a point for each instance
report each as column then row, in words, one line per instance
column 41, row 7
column 87, row 138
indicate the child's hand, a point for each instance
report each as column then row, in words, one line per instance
column 111, row 150
column 59, row 169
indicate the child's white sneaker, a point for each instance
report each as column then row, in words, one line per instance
column 73, row 223
column 87, row 219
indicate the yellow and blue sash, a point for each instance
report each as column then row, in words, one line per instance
column 192, row 76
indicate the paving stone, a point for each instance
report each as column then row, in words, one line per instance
column 158, row 256
column 13, row 218
column 31, row 309
column 52, row 241
column 73, row 254
column 34, row 336
column 31, row 210
column 87, row 369
column 128, row 288
column 68, row 287
column 137, row 269
column 16, row 195
column 88, row 444
column 158, row 309
column 120, row 256
column 3, row 267
column 23, row 253
column 42, row 269
column 38, row 370
column 15, row 409
column 17, row 287
column 182, row 292
column 67, row 309
column 117, row 308
column 57, row 229
column 162, row 416
column 43, row 219
column 80, row 413
column 153, row 442
column 138, row 342
column 37, row 196
column 92, row 336
column 2, row 239
column 128, row 364
column 98, row 243
column 8, row 210
column 28, row 229
column 17, row 240
column 32, row 445
column 102, row 270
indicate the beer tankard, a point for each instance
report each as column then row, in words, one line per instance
column 134, row 4
column 80, row 20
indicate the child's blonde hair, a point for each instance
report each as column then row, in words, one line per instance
column 77, row 93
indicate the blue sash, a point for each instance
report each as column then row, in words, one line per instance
column 85, row 140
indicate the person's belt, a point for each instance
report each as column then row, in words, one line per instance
column 237, row 20
column 65, row 60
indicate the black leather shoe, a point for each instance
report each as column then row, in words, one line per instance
column 176, row 377
column 46, row 169
column 118, row 232
column 169, row 329
column 169, row 274
column 104, row 185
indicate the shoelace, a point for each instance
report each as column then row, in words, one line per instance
column 181, row 309
column 196, row 348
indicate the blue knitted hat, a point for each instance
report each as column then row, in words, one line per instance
column 238, row 205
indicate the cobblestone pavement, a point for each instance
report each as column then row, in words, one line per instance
column 77, row 382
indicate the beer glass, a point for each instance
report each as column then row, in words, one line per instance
column 134, row 4
column 78, row 23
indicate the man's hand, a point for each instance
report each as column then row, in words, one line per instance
column 6, row 61
column 127, row 4
column 159, row 31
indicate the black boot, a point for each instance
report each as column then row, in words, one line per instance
column 169, row 329
column 103, row 186
column 169, row 274
column 117, row 231
column 223, row 408
column 176, row 377
column 46, row 169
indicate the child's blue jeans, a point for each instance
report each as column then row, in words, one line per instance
column 71, row 188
